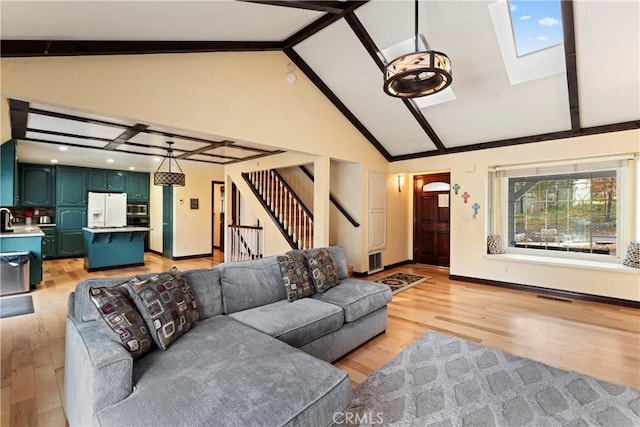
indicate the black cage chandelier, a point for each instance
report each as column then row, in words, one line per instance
column 417, row 74
column 171, row 179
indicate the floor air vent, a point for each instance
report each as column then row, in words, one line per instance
column 375, row 262
column 555, row 298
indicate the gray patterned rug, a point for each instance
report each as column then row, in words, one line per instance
column 446, row 381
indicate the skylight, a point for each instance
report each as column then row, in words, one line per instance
column 536, row 25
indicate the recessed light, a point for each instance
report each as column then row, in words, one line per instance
column 109, row 160
column 54, row 161
column 156, row 159
column 131, row 168
column 63, row 148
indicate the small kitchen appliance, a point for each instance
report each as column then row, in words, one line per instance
column 5, row 221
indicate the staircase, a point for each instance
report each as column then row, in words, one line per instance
column 293, row 218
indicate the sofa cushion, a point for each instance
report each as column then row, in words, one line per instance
column 249, row 284
column 224, row 373
column 295, row 275
column 357, row 297
column 122, row 319
column 205, row 286
column 166, row 304
column 295, row 323
column 322, row 269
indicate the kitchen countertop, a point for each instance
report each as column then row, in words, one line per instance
column 24, row 231
column 128, row 229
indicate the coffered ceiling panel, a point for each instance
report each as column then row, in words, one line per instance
column 159, row 140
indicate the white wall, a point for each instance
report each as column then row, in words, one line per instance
column 468, row 238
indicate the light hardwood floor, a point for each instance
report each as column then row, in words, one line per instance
column 595, row 339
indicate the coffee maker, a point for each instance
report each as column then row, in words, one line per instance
column 5, row 220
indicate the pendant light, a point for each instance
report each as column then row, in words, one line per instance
column 417, row 74
column 168, row 178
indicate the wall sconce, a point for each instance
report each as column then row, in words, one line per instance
column 400, row 183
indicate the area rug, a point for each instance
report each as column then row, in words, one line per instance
column 15, row 306
column 445, row 381
column 399, row 282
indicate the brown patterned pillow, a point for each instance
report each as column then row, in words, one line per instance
column 323, row 272
column 122, row 317
column 166, row 304
column 295, row 275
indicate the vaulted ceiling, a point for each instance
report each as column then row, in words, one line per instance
column 343, row 46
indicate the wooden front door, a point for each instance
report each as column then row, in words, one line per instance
column 431, row 220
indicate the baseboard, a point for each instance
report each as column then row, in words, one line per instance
column 115, row 267
column 180, row 258
column 547, row 291
column 155, row 252
column 386, row 267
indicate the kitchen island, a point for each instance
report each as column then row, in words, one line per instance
column 25, row 238
column 113, row 247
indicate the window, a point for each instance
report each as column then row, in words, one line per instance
column 536, row 25
column 568, row 209
column 575, row 212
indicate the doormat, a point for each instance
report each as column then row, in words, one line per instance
column 399, row 282
column 15, row 306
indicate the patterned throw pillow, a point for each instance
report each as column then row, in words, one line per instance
column 323, row 272
column 166, row 304
column 122, row 317
column 632, row 257
column 295, row 275
column 494, row 244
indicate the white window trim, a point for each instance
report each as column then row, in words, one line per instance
column 628, row 223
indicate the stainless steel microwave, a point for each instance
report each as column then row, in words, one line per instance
column 137, row 209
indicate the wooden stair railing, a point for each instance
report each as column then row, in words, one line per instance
column 333, row 200
column 245, row 242
column 293, row 218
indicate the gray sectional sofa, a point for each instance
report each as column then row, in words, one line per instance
column 253, row 357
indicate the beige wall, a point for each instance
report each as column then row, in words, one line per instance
column 201, row 92
column 468, row 238
column 5, row 121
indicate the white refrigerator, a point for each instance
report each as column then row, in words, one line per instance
column 106, row 209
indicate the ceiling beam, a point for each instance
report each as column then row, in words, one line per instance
column 126, row 135
column 318, row 6
column 36, row 48
column 75, row 118
column 568, row 31
column 205, row 148
column 321, row 23
column 69, row 135
column 614, row 127
column 19, row 112
column 375, row 54
column 316, row 80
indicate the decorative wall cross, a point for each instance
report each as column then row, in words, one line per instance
column 465, row 196
column 476, row 208
column 455, row 187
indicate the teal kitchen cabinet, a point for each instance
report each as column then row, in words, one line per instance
column 71, row 187
column 37, row 185
column 8, row 173
column 26, row 243
column 116, row 181
column 138, row 186
column 71, row 219
column 69, row 222
column 49, row 242
column 96, row 180
column 70, row 243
